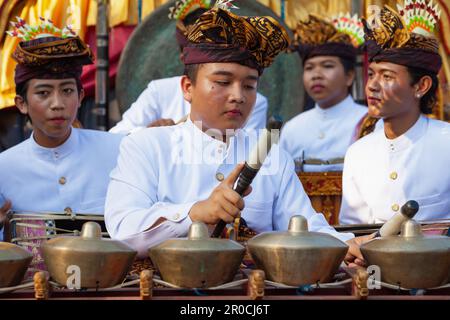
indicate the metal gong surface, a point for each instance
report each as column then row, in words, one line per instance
column 102, row 262
column 14, row 261
column 152, row 53
column 197, row 261
column 411, row 260
column 297, row 256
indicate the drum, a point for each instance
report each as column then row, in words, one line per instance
column 31, row 229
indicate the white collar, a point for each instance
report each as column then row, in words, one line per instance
column 60, row 151
column 338, row 110
column 215, row 149
column 409, row 137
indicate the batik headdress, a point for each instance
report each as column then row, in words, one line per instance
column 221, row 36
column 316, row 36
column 406, row 37
column 47, row 52
column 186, row 12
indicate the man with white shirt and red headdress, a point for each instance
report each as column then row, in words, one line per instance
column 318, row 138
column 168, row 177
column 59, row 168
column 409, row 158
column 162, row 103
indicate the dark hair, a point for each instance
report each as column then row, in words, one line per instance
column 348, row 64
column 21, row 88
column 191, row 71
column 428, row 101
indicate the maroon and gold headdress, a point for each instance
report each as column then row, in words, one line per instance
column 48, row 52
column 183, row 10
column 220, row 36
column 340, row 37
column 405, row 38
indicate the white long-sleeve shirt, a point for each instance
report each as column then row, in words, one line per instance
column 161, row 172
column 163, row 99
column 74, row 175
column 381, row 174
column 322, row 133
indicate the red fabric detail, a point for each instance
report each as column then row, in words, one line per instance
column 444, row 8
column 343, row 50
column 57, row 70
column 118, row 38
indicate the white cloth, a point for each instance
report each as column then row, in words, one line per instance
column 322, row 133
column 161, row 172
column 419, row 162
column 74, row 175
column 163, row 98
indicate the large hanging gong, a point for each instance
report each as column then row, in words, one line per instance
column 152, row 53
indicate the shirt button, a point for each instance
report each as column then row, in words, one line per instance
column 176, row 216
column 394, row 175
column 62, row 180
column 321, row 135
column 220, row 176
column 395, row 207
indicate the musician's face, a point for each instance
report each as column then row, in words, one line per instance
column 52, row 106
column 326, row 81
column 222, row 95
column 389, row 91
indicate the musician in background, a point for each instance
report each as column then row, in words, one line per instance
column 59, row 168
column 168, row 177
column 409, row 159
column 317, row 139
column 162, row 102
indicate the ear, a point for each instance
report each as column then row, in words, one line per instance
column 423, row 86
column 21, row 104
column 349, row 78
column 80, row 97
column 186, row 86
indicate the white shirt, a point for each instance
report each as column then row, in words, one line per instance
column 161, row 172
column 381, row 174
column 322, row 133
column 163, row 99
column 74, row 175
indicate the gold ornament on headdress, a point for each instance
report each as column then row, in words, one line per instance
column 35, row 50
column 225, row 5
column 420, row 17
column 387, row 29
column 182, row 8
column 350, row 25
column 46, row 29
column 412, row 27
column 317, row 30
